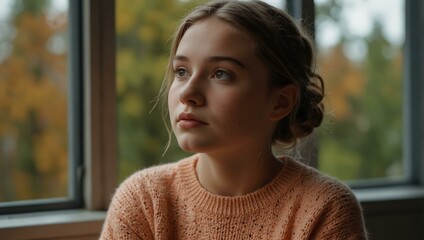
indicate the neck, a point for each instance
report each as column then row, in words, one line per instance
column 237, row 175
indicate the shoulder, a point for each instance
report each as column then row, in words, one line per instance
column 142, row 189
column 132, row 209
column 329, row 203
column 156, row 177
column 317, row 185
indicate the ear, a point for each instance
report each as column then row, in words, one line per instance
column 285, row 99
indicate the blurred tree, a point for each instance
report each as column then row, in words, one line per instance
column 33, row 104
column 362, row 138
column 144, row 34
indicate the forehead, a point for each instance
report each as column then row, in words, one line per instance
column 218, row 36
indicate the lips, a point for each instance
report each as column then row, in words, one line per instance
column 189, row 120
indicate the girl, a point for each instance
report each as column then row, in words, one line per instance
column 240, row 81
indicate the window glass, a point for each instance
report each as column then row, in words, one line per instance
column 144, row 30
column 33, row 100
column 361, row 59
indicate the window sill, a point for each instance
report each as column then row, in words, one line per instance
column 396, row 193
column 393, row 212
column 391, row 200
column 70, row 224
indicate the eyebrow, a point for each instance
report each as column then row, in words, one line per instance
column 213, row 59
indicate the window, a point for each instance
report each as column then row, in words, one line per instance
column 360, row 47
column 40, row 127
column 91, row 100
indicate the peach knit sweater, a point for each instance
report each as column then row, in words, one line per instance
column 167, row 202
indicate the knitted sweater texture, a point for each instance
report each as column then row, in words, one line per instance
column 168, row 202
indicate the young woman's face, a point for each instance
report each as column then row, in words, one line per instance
column 219, row 99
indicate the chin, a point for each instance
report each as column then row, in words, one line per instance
column 189, row 149
column 192, row 148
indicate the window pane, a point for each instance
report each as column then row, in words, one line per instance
column 143, row 30
column 33, row 100
column 361, row 57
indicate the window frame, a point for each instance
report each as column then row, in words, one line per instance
column 97, row 136
column 75, row 127
column 100, row 103
column 414, row 87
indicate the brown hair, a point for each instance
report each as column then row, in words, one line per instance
column 285, row 50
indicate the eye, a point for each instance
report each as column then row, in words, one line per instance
column 221, row 74
column 181, row 72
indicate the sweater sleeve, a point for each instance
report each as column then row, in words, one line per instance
column 126, row 217
column 341, row 217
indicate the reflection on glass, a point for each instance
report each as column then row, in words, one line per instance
column 33, row 100
column 360, row 45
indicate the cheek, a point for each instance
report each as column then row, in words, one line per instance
column 234, row 110
column 173, row 98
column 245, row 110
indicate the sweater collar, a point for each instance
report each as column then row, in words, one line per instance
column 261, row 198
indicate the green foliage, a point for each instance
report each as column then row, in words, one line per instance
column 366, row 140
column 33, row 128
column 144, row 31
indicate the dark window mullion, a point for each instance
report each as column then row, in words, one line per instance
column 76, row 126
column 414, row 88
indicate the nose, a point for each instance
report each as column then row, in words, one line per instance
column 192, row 92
